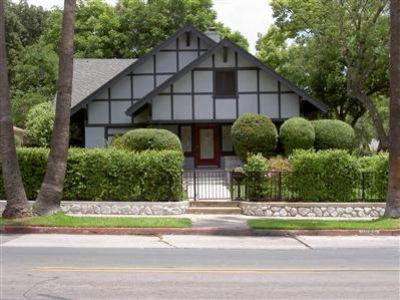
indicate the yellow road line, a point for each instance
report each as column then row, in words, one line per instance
column 203, row 270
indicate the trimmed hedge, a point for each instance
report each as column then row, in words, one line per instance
column 108, row 174
column 39, row 124
column 148, row 139
column 256, row 170
column 333, row 134
column 328, row 175
column 252, row 133
column 296, row 133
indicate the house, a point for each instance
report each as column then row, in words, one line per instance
column 192, row 84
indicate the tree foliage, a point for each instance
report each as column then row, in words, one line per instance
column 133, row 27
column 337, row 51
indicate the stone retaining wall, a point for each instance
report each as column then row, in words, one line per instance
column 313, row 209
column 120, row 208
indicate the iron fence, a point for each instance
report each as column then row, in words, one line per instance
column 290, row 186
column 207, row 184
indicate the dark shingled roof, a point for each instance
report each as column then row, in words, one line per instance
column 90, row 74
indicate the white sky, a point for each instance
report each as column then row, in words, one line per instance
column 247, row 16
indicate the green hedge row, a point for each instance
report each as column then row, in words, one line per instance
column 328, row 175
column 105, row 174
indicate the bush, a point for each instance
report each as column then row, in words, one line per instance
column 333, row 134
column 296, row 133
column 329, row 175
column 104, row 174
column 375, row 177
column 256, row 170
column 39, row 124
column 253, row 133
column 148, row 139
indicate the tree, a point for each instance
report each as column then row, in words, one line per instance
column 346, row 44
column 50, row 194
column 25, row 25
column 133, row 27
column 22, row 103
column 40, row 124
column 393, row 196
column 17, row 203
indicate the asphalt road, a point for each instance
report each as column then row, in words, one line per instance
column 198, row 267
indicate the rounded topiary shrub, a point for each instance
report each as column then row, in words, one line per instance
column 148, row 139
column 296, row 133
column 39, row 124
column 333, row 134
column 252, row 133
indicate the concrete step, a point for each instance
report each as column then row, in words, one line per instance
column 214, row 210
column 214, row 203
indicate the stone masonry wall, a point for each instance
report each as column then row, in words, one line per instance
column 120, row 208
column 313, row 209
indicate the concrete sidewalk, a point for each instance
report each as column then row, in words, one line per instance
column 197, row 242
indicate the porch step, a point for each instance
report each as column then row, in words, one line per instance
column 214, row 210
column 214, row 203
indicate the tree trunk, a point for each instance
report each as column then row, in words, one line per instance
column 50, row 194
column 17, row 204
column 393, row 196
column 373, row 112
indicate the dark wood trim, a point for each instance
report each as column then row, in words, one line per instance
column 154, row 71
column 237, row 84
column 279, row 101
column 177, row 54
column 258, row 90
column 151, row 74
column 193, row 100
column 172, row 102
column 109, row 105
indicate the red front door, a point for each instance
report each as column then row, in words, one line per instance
column 207, row 148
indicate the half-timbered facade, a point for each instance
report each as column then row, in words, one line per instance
column 192, row 84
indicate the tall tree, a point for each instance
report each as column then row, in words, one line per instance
column 344, row 44
column 133, row 27
column 393, row 196
column 50, row 194
column 17, row 203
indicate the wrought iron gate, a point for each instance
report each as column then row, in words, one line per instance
column 207, row 184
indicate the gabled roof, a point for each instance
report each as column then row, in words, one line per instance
column 225, row 43
column 99, row 71
column 84, row 78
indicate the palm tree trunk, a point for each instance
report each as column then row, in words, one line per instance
column 393, row 196
column 17, row 204
column 50, row 194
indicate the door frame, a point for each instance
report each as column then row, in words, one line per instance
column 217, row 149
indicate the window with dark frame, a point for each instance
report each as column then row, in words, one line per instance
column 225, row 83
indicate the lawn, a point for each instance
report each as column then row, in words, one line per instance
column 62, row 220
column 382, row 223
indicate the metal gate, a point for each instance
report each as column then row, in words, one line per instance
column 207, row 184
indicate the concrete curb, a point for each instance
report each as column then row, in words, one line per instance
column 192, row 231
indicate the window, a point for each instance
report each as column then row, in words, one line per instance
column 225, row 84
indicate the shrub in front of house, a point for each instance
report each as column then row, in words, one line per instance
column 148, row 139
column 375, row 170
column 108, row 174
column 256, row 171
column 39, row 124
column 296, row 133
column 329, row 175
column 253, row 133
column 333, row 134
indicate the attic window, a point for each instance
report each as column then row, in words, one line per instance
column 225, row 83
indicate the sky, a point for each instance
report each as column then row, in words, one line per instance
column 247, row 16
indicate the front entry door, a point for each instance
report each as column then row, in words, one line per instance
column 207, row 145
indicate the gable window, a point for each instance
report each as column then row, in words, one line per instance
column 225, row 83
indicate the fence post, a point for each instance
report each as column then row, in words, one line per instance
column 279, row 186
column 194, row 186
column 363, row 186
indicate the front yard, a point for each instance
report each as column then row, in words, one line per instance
column 382, row 223
column 62, row 220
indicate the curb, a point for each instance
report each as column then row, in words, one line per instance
column 192, row 231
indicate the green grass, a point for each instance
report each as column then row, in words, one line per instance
column 382, row 223
column 62, row 220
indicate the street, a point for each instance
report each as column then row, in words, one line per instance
column 198, row 267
